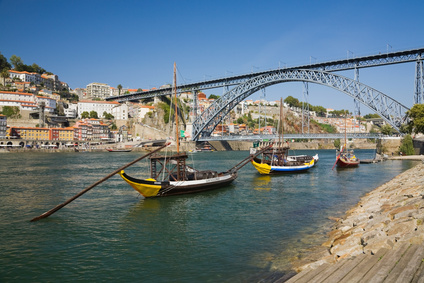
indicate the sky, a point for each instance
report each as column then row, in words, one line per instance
column 135, row 43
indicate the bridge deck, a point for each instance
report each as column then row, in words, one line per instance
column 404, row 264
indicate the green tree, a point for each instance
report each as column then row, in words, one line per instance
column 372, row 116
column 4, row 74
column 11, row 112
column 107, row 116
column 291, row 101
column 119, row 89
column 387, row 130
column 337, row 143
column 85, row 115
column 16, row 62
column 416, row 113
column 213, row 96
column 407, row 147
column 93, row 114
column 4, row 63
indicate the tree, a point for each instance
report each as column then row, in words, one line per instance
column 291, row 101
column 85, row 115
column 337, row 143
column 4, row 74
column 119, row 89
column 387, row 130
column 93, row 114
column 213, row 96
column 4, row 63
column 11, row 112
column 416, row 113
column 16, row 62
column 407, row 147
column 107, row 116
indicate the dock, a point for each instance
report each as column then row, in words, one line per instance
column 403, row 264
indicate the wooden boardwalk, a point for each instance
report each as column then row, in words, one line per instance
column 404, row 264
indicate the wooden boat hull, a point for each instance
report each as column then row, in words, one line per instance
column 345, row 163
column 118, row 150
column 152, row 188
column 266, row 169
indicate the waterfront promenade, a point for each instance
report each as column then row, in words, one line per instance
column 381, row 239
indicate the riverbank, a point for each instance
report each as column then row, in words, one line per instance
column 387, row 217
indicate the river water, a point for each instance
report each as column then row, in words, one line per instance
column 239, row 233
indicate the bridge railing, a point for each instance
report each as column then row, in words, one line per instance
column 292, row 136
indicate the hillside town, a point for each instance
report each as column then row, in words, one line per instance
column 42, row 109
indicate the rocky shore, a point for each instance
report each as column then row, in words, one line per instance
column 387, row 217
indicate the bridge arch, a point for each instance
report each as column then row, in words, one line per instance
column 389, row 109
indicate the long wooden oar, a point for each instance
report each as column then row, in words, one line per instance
column 53, row 210
column 337, row 158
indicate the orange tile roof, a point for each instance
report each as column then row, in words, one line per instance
column 21, row 93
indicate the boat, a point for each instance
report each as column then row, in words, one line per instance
column 170, row 175
column 118, row 150
column 277, row 160
column 346, row 158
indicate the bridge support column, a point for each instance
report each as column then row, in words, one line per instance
column 357, row 104
column 305, row 107
column 419, row 83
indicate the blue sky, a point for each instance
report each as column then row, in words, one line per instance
column 135, row 43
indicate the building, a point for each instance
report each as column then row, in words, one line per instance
column 91, row 130
column 26, row 101
column 3, row 126
column 98, row 106
column 98, row 90
column 120, row 111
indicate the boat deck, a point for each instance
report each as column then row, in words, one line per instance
column 404, row 264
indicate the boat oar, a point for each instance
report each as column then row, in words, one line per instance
column 337, row 159
column 53, row 210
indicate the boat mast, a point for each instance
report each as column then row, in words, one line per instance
column 280, row 136
column 176, row 115
column 345, row 132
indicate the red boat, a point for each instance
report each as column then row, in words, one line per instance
column 347, row 159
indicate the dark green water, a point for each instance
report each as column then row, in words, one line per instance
column 239, row 233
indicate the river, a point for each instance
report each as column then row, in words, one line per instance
column 239, row 233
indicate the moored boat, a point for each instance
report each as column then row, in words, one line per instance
column 118, row 150
column 346, row 158
column 277, row 159
column 169, row 175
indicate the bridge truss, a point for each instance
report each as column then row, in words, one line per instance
column 389, row 109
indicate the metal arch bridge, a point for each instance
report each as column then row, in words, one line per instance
column 412, row 55
column 389, row 109
column 392, row 111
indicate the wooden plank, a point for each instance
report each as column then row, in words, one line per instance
column 419, row 272
column 307, row 276
column 407, row 266
column 328, row 271
column 356, row 274
column 385, row 265
column 345, row 269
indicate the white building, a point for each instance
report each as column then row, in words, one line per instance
column 3, row 126
column 99, row 106
column 71, row 111
column 98, row 90
column 26, row 77
column 26, row 101
column 120, row 112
